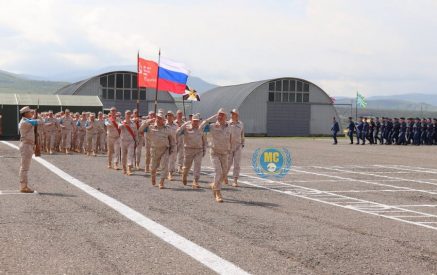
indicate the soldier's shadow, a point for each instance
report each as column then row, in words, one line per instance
column 56, row 195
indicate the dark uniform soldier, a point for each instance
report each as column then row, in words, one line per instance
column 435, row 130
column 417, row 132
column 389, row 131
column 396, row 131
column 424, row 133
column 383, row 129
column 364, row 131
column 359, row 128
column 335, row 129
column 402, row 132
column 430, row 136
column 350, row 130
column 370, row 135
column 409, row 131
column 376, row 131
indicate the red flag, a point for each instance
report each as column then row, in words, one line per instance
column 147, row 73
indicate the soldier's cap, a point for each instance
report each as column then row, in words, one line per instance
column 67, row 110
column 100, row 113
column 234, row 111
column 161, row 111
column 151, row 113
column 127, row 111
column 403, row 118
column 195, row 117
column 221, row 111
column 178, row 112
column 93, row 114
column 25, row 110
column 113, row 109
column 170, row 113
column 395, row 118
column 160, row 115
column 50, row 112
column 134, row 110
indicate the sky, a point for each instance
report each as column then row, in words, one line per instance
column 376, row 47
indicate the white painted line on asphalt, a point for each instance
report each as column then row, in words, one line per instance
column 410, row 168
column 374, row 191
column 197, row 252
column 359, row 205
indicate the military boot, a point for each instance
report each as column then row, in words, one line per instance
column 218, row 196
column 235, row 184
column 129, row 170
column 195, row 185
column 161, row 184
column 153, row 178
column 124, row 170
column 185, row 176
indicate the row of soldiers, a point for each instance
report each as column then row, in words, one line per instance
column 399, row 131
column 173, row 145
column 66, row 132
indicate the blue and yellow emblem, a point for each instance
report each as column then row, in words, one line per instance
column 271, row 162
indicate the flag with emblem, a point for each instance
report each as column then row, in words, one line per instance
column 361, row 100
column 190, row 94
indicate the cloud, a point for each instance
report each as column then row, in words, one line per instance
column 372, row 46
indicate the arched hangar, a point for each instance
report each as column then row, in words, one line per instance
column 275, row 107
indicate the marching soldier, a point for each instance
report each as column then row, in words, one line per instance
column 151, row 115
column 220, row 147
column 402, row 132
column 128, row 138
column 376, row 133
column 113, row 139
column 237, row 144
column 396, row 130
column 170, row 123
column 364, row 131
column 194, row 148
column 66, row 125
column 359, row 129
column 417, row 130
column 371, row 133
column 91, row 135
column 140, row 139
column 162, row 145
column 180, row 142
column 350, row 130
column 27, row 143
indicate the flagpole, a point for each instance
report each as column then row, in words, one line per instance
column 183, row 104
column 157, row 81
column 138, row 81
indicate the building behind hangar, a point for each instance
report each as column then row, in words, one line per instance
column 276, row 107
column 119, row 89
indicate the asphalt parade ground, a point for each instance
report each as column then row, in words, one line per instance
column 343, row 209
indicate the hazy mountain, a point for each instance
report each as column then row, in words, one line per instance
column 419, row 102
column 14, row 83
column 194, row 82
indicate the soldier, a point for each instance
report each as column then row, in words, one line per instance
column 151, row 116
column 237, row 144
column 364, row 131
column 113, row 139
column 170, row 123
column 402, row 132
column 128, row 138
column 424, row 132
column 140, row 139
column 396, row 131
column 376, row 133
column 350, row 130
column 389, row 132
column 76, row 118
column 101, row 133
column 194, row 148
column 27, row 139
column 220, row 147
column 409, row 131
column 434, row 124
column 359, row 129
column 162, row 145
column 91, row 135
column 180, row 142
column 80, row 133
column 51, row 127
column 417, row 132
column 430, row 133
column 66, row 125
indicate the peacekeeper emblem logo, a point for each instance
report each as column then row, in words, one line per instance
column 271, row 162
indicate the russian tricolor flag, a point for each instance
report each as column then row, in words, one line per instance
column 172, row 76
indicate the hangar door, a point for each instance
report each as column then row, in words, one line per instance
column 285, row 119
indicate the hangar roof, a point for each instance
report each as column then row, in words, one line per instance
column 49, row 100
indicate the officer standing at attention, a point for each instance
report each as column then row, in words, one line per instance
column 170, row 123
column 27, row 138
column 350, row 130
column 151, row 115
column 51, row 125
column 91, row 135
column 66, row 125
column 237, row 144
column 180, row 142
column 335, row 129
column 220, row 147
column 194, row 148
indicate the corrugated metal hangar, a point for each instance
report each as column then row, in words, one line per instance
column 119, row 89
column 10, row 105
column 275, row 107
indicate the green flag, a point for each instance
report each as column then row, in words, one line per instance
column 361, row 101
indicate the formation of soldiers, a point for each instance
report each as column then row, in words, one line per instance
column 172, row 144
column 398, row 131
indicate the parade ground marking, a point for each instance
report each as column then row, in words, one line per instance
column 397, row 213
column 197, row 252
